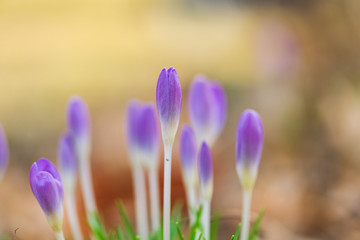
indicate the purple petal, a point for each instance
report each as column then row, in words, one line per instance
column 4, row 151
column 78, row 118
column 168, row 101
column 188, row 148
column 47, row 187
column 207, row 108
column 148, row 131
column 220, row 106
column 131, row 123
column 249, row 139
column 205, row 165
column 67, row 159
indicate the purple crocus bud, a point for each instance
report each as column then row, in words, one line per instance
column 206, row 171
column 46, row 186
column 78, row 121
column 249, row 144
column 188, row 155
column 148, row 135
column 67, row 161
column 207, row 107
column 168, row 102
column 4, row 152
column 131, row 128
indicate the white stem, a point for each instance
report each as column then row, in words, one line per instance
column 167, row 191
column 192, row 205
column 140, row 202
column 205, row 219
column 245, row 223
column 60, row 235
column 86, row 180
column 73, row 217
column 154, row 199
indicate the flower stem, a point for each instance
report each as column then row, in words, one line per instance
column 245, row 223
column 60, row 235
column 73, row 217
column 205, row 218
column 140, row 202
column 86, row 181
column 154, row 199
column 167, row 191
column 192, row 205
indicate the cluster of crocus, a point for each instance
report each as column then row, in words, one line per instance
column 207, row 107
column 73, row 157
column 46, row 184
column 4, row 152
column 143, row 143
column 207, row 110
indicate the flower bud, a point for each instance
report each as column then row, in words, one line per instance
column 207, row 108
column 148, row 136
column 67, row 161
column 46, row 186
column 168, row 102
column 188, row 155
column 78, row 121
column 4, row 152
column 249, row 144
column 133, row 110
column 206, row 171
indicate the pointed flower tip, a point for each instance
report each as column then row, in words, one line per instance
column 67, row 160
column 168, row 102
column 206, row 171
column 207, row 107
column 46, row 186
column 78, row 118
column 4, row 151
column 249, row 144
column 188, row 154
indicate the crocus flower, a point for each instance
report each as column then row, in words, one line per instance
column 67, row 160
column 249, row 143
column 78, row 118
column 206, row 171
column 78, row 122
column 133, row 110
column 188, row 155
column 4, row 152
column 47, row 187
column 148, row 135
column 168, row 102
column 207, row 107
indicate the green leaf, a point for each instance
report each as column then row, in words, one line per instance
column 96, row 227
column 175, row 217
column 120, row 234
column 196, row 227
column 254, row 233
column 237, row 232
column 232, row 237
column 124, row 216
column 214, row 226
column 179, row 232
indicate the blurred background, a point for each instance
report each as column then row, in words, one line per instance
column 297, row 62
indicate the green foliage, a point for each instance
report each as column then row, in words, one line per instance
column 125, row 231
column 254, row 233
